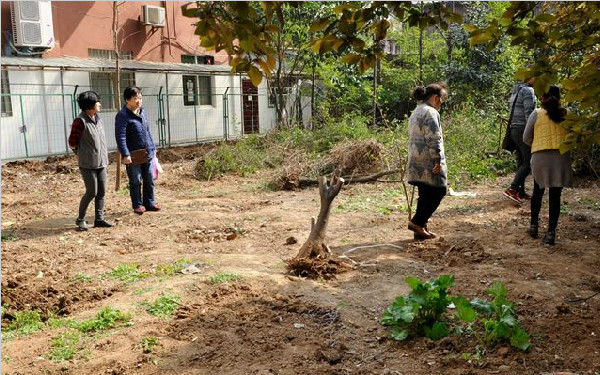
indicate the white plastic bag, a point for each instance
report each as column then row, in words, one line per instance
column 156, row 168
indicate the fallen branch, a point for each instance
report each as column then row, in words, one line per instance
column 352, row 178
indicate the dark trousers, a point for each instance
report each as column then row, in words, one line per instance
column 95, row 188
column 554, row 205
column 429, row 200
column 523, row 159
column 141, row 181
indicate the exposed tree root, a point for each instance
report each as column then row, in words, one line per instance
column 317, row 268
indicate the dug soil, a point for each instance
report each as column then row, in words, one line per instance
column 268, row 322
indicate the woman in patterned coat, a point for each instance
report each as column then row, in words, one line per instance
column 427, row 168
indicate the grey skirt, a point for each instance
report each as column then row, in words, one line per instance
column 551, row 169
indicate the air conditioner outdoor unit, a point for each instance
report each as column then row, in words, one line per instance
column 32, row 24
column 153, row 16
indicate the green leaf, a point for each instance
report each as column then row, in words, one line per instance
column 320, row 24
column 566, row 147
column 545, row 18
column 405, row 313
column 351, row 58
column 343, row 7
column 501, row 330
column 413, row 282
column 520, row 339
column 399, row 334
column 316, row 45
column 480, row 37
column 265, row 68
column 497, row 289
column 255, row 75
column 437, row 331
column 464, row 310
column 470, row 28
column 510, row 320
column 445, row 281
column 482, row 306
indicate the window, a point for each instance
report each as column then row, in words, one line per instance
column 204, row 90
column 104, row 83
column 198, row 59
column 197, row 90
column 108, row 54
column 6, row 102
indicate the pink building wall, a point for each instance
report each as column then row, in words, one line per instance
column 79, row 25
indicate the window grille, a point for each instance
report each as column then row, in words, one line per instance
column 6, row 102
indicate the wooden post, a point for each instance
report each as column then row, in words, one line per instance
column 115, row 31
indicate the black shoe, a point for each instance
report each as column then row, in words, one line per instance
column 102, row 224
column 533, row 231
column 549, row 238
column 81, row 224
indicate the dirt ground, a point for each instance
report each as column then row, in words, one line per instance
column 271, row 323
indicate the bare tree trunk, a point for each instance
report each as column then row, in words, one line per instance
column 312, row 94
column 421, row 50
column 115, row 31
column 315, row 246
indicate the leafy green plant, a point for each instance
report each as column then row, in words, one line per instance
column 163, row 306
column 65, row 346
column 24, row 323
column 128, row 272
column 56, row 322
column 107, row 318
column 421, row 312
column 499, row 319
column 148, row 343
column 223, row 277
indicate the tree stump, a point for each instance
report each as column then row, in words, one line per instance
column 314, row 258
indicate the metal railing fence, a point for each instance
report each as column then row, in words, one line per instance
column 40, row 123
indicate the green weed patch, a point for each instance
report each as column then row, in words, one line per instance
column 163, row 306
column 223, row 277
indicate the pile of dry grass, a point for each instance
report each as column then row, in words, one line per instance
column 354, row 157
column 289, row 174
column 347, row 158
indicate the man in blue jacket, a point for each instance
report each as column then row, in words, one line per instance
column 132, row 132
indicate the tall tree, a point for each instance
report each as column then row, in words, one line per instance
column 565, row 40
column 352, row 29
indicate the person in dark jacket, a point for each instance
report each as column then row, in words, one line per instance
column 132, row 132
column 88, row 141
column 525, row 102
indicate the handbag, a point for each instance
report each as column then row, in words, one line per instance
column 507, row 143
column 139, row 156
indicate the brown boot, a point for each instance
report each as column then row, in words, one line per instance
column 420, row 232
column 433, row 235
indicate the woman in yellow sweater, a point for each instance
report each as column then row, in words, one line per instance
column 549, row 167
